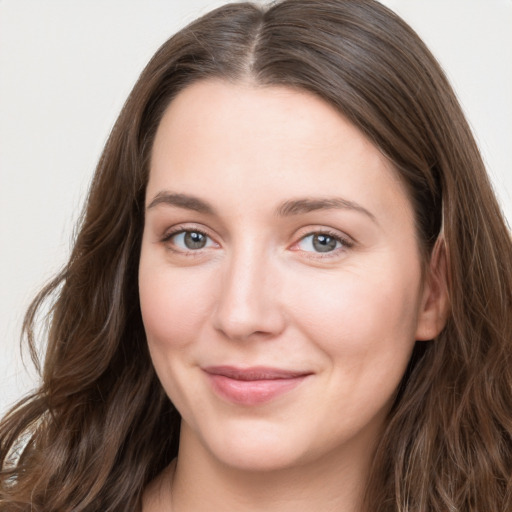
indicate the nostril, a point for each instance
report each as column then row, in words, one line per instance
column 247, row 305
column 242, row 321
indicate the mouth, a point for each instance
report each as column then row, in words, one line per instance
column 252, row 386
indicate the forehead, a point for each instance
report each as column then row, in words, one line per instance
column 246, row 139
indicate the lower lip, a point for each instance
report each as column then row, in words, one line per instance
column 252, row 392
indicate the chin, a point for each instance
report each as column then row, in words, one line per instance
column 255, row 448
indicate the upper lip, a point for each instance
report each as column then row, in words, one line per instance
column 254, row 372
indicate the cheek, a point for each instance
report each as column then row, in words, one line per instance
column 364, row 324
column 172, row 305
column 361, row 311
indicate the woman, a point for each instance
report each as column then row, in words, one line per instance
column 291, row 267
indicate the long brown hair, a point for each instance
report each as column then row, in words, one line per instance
column 100, row 427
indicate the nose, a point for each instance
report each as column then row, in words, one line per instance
column 248, row 305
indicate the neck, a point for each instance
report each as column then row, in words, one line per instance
column 201, row 482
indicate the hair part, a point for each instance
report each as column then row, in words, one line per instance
column 101, row 425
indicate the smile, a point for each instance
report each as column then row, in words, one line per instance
column 252, row 386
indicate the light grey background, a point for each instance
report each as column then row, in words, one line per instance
column 66, row 68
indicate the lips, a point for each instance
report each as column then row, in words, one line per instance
column 252, row 386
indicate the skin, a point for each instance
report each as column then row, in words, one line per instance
column 260, row 294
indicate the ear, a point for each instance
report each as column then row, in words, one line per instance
column 435, row 301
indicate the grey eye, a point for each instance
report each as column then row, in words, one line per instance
column 191, row 240
column 324, row 243
column 194, row 240
column 319, row 242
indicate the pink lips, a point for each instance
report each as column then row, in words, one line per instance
column 251, row 386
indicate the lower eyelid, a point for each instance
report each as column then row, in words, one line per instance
column 167, row 238
column 344, row 242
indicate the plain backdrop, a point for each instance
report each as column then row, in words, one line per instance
column 66, row 68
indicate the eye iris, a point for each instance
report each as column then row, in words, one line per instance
column 194, row 240
column 324, row 243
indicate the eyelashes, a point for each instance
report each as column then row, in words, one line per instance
column 323, row 242
column 319, row 243
column 189, row 240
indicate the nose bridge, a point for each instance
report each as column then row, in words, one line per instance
column 247, row 302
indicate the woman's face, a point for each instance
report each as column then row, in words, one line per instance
column 280, row 277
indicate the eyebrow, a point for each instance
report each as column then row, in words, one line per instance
column 286, row 209
column 182, row 201
column 306, row 205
